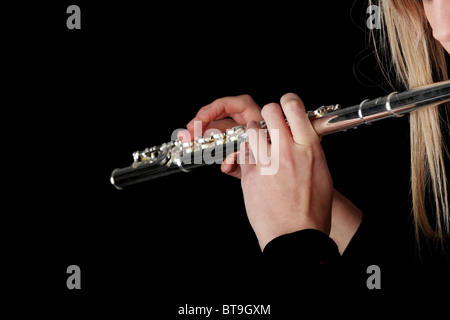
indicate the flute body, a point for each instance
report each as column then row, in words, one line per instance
column 176, row 156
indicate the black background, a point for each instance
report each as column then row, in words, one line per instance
column 84, row 100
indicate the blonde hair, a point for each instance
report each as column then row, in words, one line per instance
column 417, row 59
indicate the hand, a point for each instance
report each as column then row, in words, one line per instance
column 299, row 196
column 241, row 110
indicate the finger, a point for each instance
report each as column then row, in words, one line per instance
column 275, row 120
column 198, row 128
column 190, row 125
column 184, row 135
column 222, row 125
column 230, row 166
column 241, row 108
column 244, row 159
column 302, row 131
column 257, row 141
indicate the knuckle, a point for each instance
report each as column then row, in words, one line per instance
column 290, row 157
column 312, row 151
column 309, row 152
column 203, row 109
column 214, row 106
column 218, row 102
column 288, row 161
column 286, row 155
column 246, row 98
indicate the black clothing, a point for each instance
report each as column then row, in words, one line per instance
column 306, row 266
column 310, row 247
column 303, row 265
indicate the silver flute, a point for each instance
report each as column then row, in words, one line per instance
column 177, row 156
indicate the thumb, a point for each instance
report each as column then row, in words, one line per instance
column 230, row 166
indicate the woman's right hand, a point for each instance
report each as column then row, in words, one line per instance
column 228, row 112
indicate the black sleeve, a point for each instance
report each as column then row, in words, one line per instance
column 303, row 261
column 305, row 248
